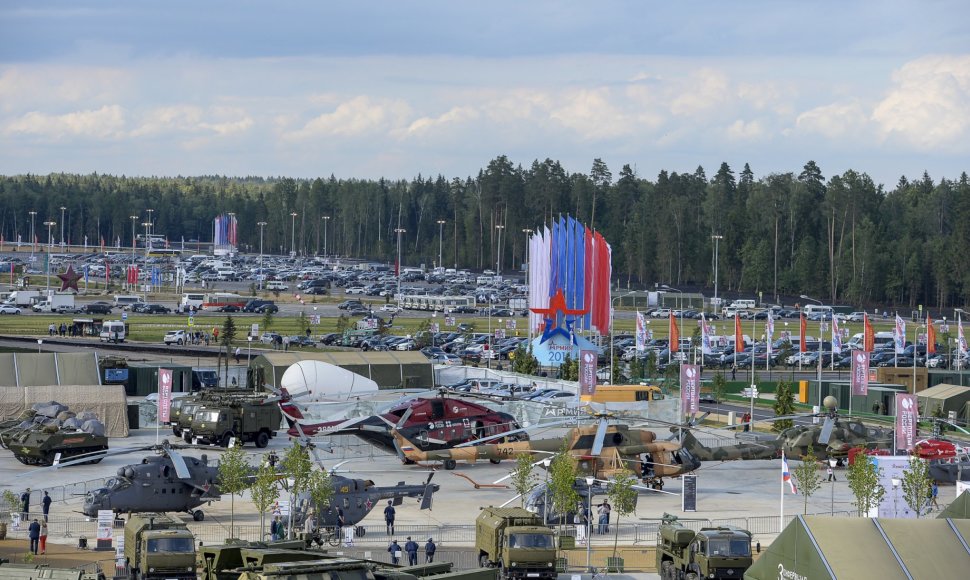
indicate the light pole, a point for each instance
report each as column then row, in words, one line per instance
column 134, row 219
column 441, row 241
column 33, row 245
column 717, row 238
column 498, row 256
column 50, row 244
column 399, row 231
column 148, row 231
column 612, row 302
column 249, row 354
column 261, row 275
column 959, row 312
column 589, row 519
column 293, row 234
column 62, row 225
column 326, row 220
column 528, row 233
column 232, row 216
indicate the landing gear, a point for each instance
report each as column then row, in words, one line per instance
column 495, row 461
column 198, row 516
column 450, row 464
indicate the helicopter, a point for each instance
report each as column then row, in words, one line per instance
column 947, row 462
column 434, row 423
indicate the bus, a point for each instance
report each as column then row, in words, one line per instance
column 624, row 394
column 192, row 299
column 164, row 253
column 435, row 303
column 215, row 300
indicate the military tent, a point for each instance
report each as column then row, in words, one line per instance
column 947, row 397
column 827, row 547
column 959, row 509
column 390, row 370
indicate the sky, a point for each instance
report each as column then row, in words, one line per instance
column 400, row 88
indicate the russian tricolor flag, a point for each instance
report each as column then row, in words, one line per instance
column 786, row 473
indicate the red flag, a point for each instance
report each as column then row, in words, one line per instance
column 738, row 336
column 102, row 243
column 801, row 333
column 107, row 273
column 674, row 334
column 930, row 336
column 397, row 268
column 868, row 336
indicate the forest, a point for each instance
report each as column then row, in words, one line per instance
column 842, row 239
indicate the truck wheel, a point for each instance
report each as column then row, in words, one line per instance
column 495, row 461
column 226, row 437
column 482, row 561
column 262, row 439
column 198, row 516
column 187, row 436
column 450, row 464
column 666, row 569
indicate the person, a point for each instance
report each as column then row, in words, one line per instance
column 25, row 504
column 580, row 520
column 934, row 491
column 830, row 472
column 411, row 547
column 395, row 550
column 234, row 383
column 46, row 502
column 341, row 520
column 389, row 517
column 734, row 372
column 429, row 550
column 604, row 518
column 286, row 343
column 746, row 419
column 309, row 525
column 34, row 536
column 276, row 528
column 43, row 537
column 308, row 333
column 238, row 352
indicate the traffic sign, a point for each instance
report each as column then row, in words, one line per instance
column 124, row 316
column 191, row 320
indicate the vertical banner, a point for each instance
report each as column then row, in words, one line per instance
column 587, row 372
column 860, row 372
column 738, row 335
column 801, row 333
column 690, row 388
column 836, row 337
column 899, row 335
column 961, row 340
column 769, row 331
column 930, row 337
column 164, row 394
column 907, row 415
column 674, row 345
column 706, row 347
column 868, row 335
column 641, row 332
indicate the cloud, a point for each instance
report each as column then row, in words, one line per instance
column 742, row 130
column 460, row 115
column 929, row 104
column 702, row 92
column 593, row 114
column 190, row 119
column 834, row 121
column 361, row 115
column 108, row 122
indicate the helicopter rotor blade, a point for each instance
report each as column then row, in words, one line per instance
column 514, row 431
column 178, row 462
column 404, row 418
column 600, row 436
column 826, row 434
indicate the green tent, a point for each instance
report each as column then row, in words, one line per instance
column 959, row 509
column 390, row 369
column 826, row 547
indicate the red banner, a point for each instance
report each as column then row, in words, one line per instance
column 587, row 372
column 164, row 394
column 860, row 372
column 738, row 335
column 690, row 388
column 868, row 336
column 801, row 334
column 907, row 416
column 930, row 337
column 674, row 345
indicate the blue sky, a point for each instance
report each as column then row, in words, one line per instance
column 393, row 89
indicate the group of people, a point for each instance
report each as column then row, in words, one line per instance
column 411, row 549
column 603, row 513
column 37, row 531
column 63, row 330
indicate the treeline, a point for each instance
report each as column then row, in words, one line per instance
column 842, row 239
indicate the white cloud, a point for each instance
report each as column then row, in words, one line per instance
column 592, row 114
column 702, row 92
column 461, row 115
column 745, row 130
column 358, row 116
column 834, row 121
column 105, row 123
column 193, row 119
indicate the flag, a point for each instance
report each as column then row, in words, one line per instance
column 674, row 334
column 801, row 333
column 930, row 336
column 869, row 337
column 641, row 332
column 705, row 337
column 907, row 416
column 860, row 373
column 899, row 335
column 769, row 331
column 961, row 340
column 164, row 394
column 786, row 473
column 836, row 336
column 738, row 334
column 690, row 384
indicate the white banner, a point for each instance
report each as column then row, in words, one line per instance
column 641, row 334
column 164, row 394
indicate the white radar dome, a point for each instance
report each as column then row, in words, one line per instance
column 314, row 381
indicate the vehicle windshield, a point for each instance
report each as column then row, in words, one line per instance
column 184, row 545
column 734, row 548
column 530, row 541
column 207, row 416
column 176, row 405
column 117, row 483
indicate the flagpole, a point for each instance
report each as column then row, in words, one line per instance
column 781, row 512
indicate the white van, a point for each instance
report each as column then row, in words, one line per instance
column 192, row 299
column 113, row 331
column 743, row 304
column 276, row 285
column 879, row 338
column 125, row 302
column 810, row 309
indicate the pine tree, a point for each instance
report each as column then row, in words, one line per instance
column 784, row 405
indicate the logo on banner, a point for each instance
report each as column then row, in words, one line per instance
column 907, row 415
column 641, row 335
column 690, row 376
column 164, row 394
column 860, row 373
column 587, row 372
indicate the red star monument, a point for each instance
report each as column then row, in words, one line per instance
column 69, row 279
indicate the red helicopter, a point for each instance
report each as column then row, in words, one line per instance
column 431, row 423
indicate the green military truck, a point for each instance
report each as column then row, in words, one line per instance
column 515, row 541
column 159, row 546
column 682, row 554
column 244, row 419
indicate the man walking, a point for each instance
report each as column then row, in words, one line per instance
column 429, row 550
column 34, row 536
column 411, row 547
column 25, row 504
column 238, row 353
column 389, row 517
column 830, row 472
column 43, row 537
column 46, row 503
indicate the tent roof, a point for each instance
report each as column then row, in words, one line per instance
column 944, row 391
column 959, row 509
column 45, row 369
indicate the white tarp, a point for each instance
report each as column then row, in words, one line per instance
column 313, row 381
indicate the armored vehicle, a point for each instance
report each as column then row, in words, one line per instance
column 38, row 571
column 41, row 439
column 159, row 546
column 244, row 419
column 682, row 554
column 516, row 542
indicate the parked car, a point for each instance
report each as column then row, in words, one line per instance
column 98, row 308
column 443, row 358
column 229, row 308
column 464, row 310
column 269, row 337
column 348, row 304
column 267, row 308
column 856, row 317
column 7, row 309
column 175, row 337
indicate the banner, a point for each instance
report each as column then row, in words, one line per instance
column 860, row 372
column 868, row 336
column 738, row 335
column 674, row 345
column 801, row 333
column 899, row 335
column 836, row 337
column 164, row 394
column 907, row 415
column 587, row 372
column 641, row 332
column 961, row 339
column 769, row 332
column 706, row 347
column 930, row 337
column 690, row 388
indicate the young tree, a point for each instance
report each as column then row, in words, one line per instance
column 303, row 323
column 651, row 364
column 298, row 467
column 863, row 477
column 343, row 321
column 268, row 319
column 807, row 478
column 784, row 405
column 234, row 477
column 623, row 498
column 916, row 484
column 718, row 386
column 320, row 487
column 562, row 479
column 225, row 339
column 523, row 476
column 264, row 491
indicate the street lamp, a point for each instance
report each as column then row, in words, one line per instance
column 326, row 220
column 399, row 231
column 498, row 257
column 612, row 338
column 820, row 330
column 261, row 275
column 441, row 241
column 32, row 244
column 134, row 219
column 293, row 234
column 717, row 238
column 148, row 232
column 589, row 518
column 62, row 225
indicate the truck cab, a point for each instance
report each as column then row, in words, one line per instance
column 159, row 546
column 720, row 553
column 516, row 542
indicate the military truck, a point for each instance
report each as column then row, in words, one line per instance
column 159, row 546
column 183, row 409
column 515, row 541
column 244, row 419
column 683, row 554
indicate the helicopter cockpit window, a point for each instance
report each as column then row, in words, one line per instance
column 437, row 409
column 117, row 483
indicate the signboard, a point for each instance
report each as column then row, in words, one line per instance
column 893, row 504
column 254, row 329
column 510, row 324
column 450, row 320
column 688, row 496
column 106, row 521
column 907, row 415
column 690, row 387
column 164, row 394
column 281, row 507
column 115, row 375
column 434, row 327
column 191, row 321
column 315, row 319
column 860, row 372
column 587, row 372
column 499, row 333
